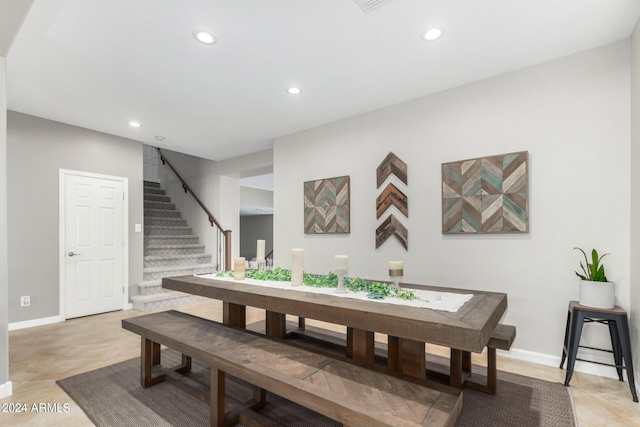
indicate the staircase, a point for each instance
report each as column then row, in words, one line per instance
column 170, row 249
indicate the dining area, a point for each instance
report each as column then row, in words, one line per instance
column 468, row 326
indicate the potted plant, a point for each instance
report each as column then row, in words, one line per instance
column 595, row 290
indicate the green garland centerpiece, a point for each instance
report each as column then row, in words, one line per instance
column 374, row 290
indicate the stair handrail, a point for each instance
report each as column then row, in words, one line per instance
column 212, row 220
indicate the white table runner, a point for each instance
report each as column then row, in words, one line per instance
column 445, row 301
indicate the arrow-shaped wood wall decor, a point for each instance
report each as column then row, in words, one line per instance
column 391, row 165
column 391, row 226
column 391, row 196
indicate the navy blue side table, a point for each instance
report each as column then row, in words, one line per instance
column 616, row 319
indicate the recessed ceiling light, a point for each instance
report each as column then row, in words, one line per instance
column 294, row 91
column 432, row 34
column 205, row 37
column 159, row 138
column 134, row 124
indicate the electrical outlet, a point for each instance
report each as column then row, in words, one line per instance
column 25, row 301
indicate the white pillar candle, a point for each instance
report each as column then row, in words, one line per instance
column 297, row 266
column 239, row 266
column 260, row 251
column 395, row 268
column 342, row 263
column 395, row 265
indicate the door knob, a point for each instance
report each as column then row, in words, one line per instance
column 73, row 254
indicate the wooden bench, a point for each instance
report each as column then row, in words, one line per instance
column 352, row 395
column 501, row 338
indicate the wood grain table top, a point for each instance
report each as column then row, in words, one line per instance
column 469, row 329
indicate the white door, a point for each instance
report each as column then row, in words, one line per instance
column 93, row 244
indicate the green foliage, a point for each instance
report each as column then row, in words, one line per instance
column 594, row 270
column 374, row 290
column 278, row 274
column 329, row 280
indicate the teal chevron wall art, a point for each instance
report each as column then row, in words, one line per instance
column 486, row 195
column 326, row 206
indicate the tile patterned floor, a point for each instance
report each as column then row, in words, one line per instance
column 39, row 356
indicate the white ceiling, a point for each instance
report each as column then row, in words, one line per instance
column 102, row 63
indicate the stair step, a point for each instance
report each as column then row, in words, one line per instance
column 161, row 213
column 170, row 249
column 151, row 184
column 180, row 249
column 176, row 260
column 170, row 240
column 157, row 197
column 159, row 205
column 150, row 287
column 162, row 230
column 152, row 190
column 164, row 222
column 173, row 271
column 163, row 300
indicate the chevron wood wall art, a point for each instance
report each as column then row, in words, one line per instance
column 391, row 165
column 391, row 196
column 392, row 227
column 486, row 195
column 326, row 206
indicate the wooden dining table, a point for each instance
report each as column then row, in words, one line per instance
column 408, row 328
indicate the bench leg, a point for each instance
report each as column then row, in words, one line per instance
column 217, row 397
column 149, row 357
column 156, row 354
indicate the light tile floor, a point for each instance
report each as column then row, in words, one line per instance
column 39, row 356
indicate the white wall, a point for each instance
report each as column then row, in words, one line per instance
column 37, row 150
column 571, row 114
column 4, row 277
column 635, row 196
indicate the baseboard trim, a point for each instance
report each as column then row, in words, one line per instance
column 6, row 389
column 549, row 360
column 34, row 322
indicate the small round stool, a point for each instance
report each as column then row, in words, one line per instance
column 616, row 319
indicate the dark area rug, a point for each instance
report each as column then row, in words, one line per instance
column 112, row 396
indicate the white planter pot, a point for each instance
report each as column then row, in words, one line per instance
column 597, row 294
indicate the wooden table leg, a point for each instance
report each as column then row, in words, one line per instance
column 276, row 324
column 393, row 355
column 413, row 358
column 360, row 346
column 234, row 315
column 455, row 369
column 466, row 361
